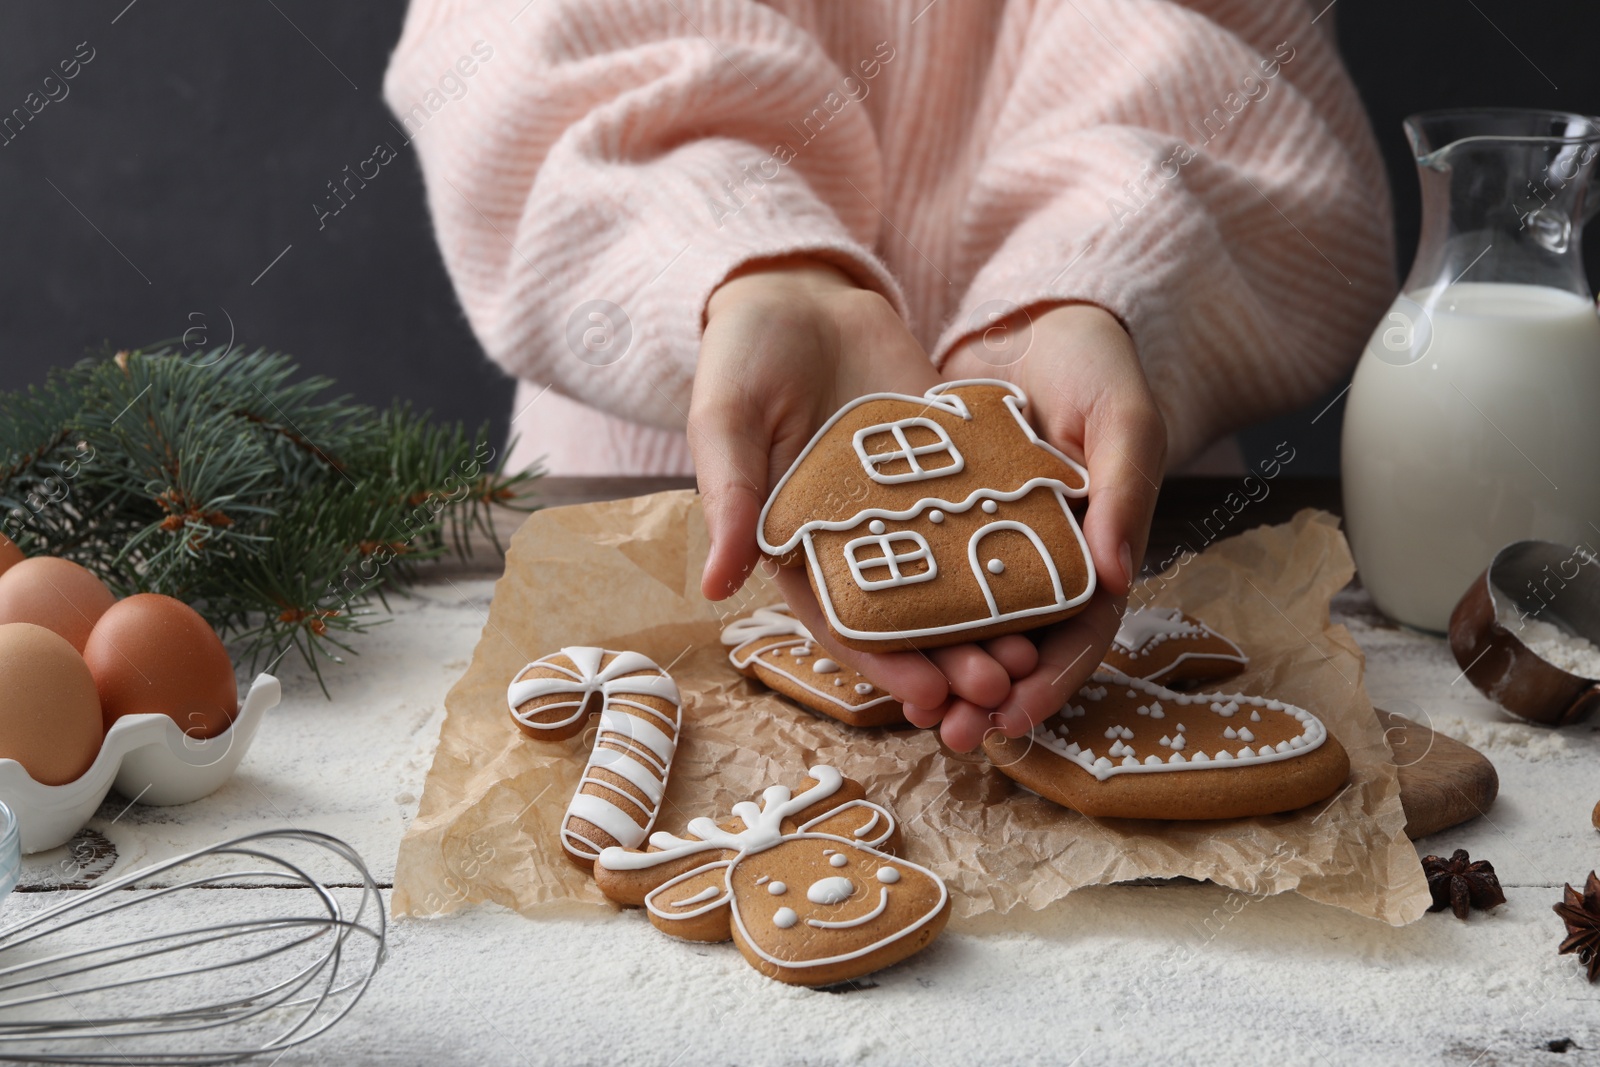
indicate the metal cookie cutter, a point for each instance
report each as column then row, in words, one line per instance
column 1554, row 583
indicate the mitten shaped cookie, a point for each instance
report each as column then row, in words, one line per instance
column 932, row 520
column 803, row 883
column 1127, row 748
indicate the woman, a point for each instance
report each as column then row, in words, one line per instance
column 1164, row 220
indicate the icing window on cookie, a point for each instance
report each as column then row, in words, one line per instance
column 907, row 451
column 887, row 560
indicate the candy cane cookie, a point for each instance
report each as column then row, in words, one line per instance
column 620, row 793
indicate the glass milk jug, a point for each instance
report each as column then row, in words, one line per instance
column 1474, row 416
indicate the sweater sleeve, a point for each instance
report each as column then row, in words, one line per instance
column 609, row 162
column 1204, row 171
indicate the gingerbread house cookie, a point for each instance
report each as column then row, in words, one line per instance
column 1165, row 645
column 805, row 883
column 1127, row 748
column 775, row 648
column 933, row 520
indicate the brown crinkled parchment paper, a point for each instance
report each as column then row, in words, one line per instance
column 625, row 575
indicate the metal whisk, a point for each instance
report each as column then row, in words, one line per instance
column 119, row 975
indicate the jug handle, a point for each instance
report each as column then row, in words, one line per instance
column 1587, row 703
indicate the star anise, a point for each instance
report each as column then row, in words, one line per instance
column 1581, row 913
column 1461, row 883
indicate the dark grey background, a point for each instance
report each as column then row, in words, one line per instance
column 199, row 137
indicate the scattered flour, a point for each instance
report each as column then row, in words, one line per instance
column 1551, row 643
column 1528, row 742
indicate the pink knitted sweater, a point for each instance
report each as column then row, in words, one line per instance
column 1202, row 169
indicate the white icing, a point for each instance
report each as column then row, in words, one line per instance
column 912, row 455
column 995, row 566
column 635, row 740
column 878, row 815
column 772, row 621
column 838, row 859
column 1146, row 628
column 995, row 614
column 664, row 891
column 763, row 831
column 776, row 621
column 777, row 889
column 1313, row 734
column 824, row 665
column 826, row 601
column 784, row 918
column 862, row 920
column 587, row 680
column 940, row 397
column 876, row 526
column 990, row 507
column 762, row 826
column 699, row 898
column 936, row 516
column 890, row 559
column 835, row 889
column 863, row 688
column 1145, row 625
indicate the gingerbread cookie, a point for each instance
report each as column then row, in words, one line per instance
column 620, row 794
column 1165, row 645
column 775, row 648
column 933, row 520
column 804, row 884
column 1127, row 748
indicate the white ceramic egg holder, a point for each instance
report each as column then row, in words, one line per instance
column 147, row 757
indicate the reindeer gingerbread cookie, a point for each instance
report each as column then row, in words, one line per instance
column 1127, row 748
column 775, row 648
column 623, row 784
column 1165, row 645
column 804, row 883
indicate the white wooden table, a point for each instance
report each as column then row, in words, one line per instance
column 1137, row 974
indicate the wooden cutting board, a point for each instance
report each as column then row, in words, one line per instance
column 1443, row 782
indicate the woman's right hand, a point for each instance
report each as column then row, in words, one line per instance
column 786, row 344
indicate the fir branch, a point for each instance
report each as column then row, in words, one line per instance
column 280, row 511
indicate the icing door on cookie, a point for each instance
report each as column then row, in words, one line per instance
column 1014, row 569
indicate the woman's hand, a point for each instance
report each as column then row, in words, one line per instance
column 787, row 344
column 1088, row 397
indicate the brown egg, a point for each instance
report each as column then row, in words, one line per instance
column 49, row 714
column 151, row 653
column 56, row 594
column 9, row 553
